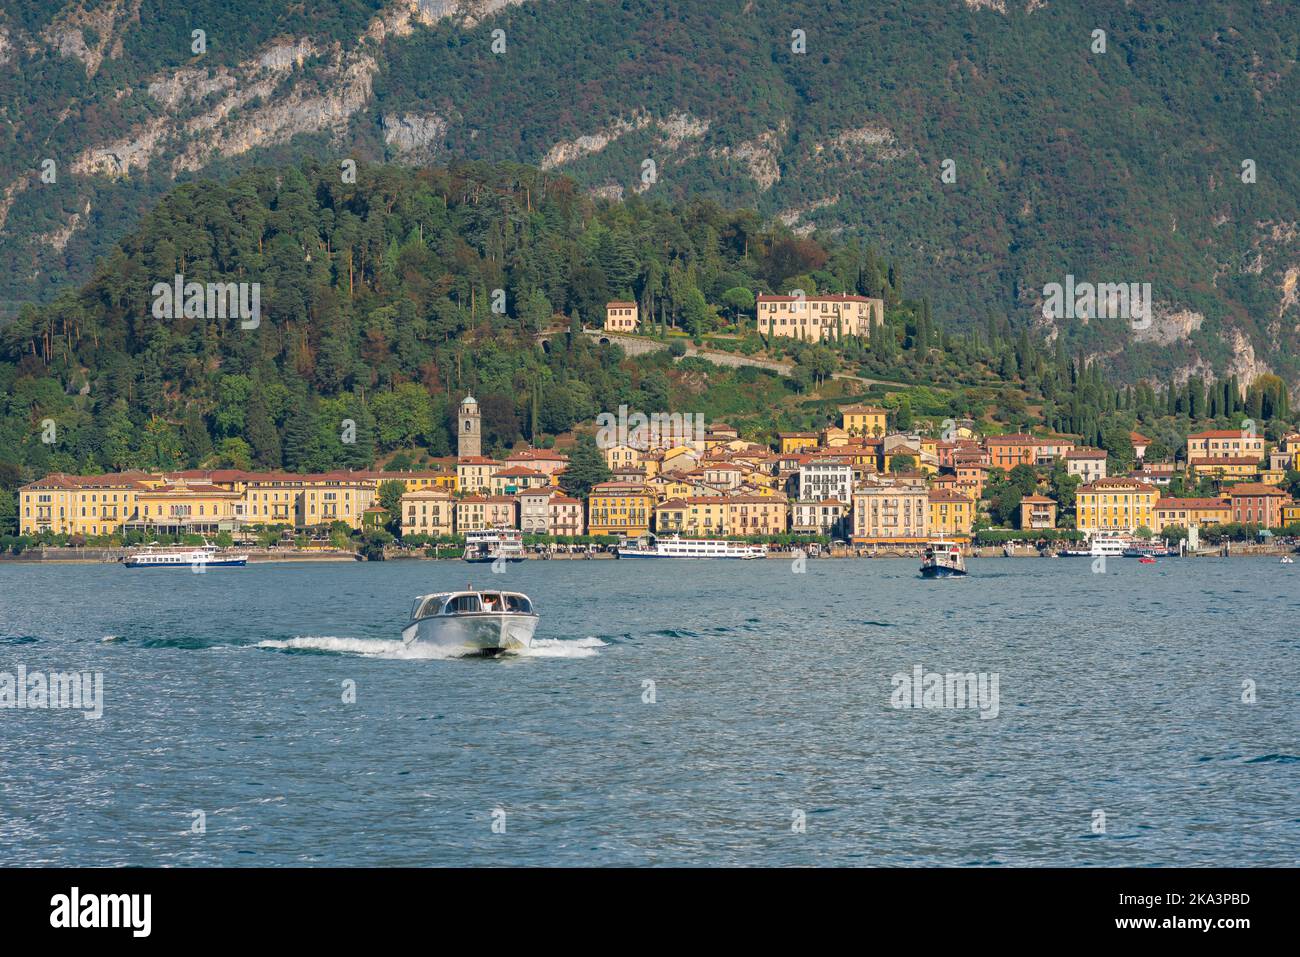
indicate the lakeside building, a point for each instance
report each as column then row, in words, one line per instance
column 1037, row 512
column 619, row 508
column 1115, row 505
column 819, row 318
column 430, row 511
column 756, row 515
column 478, row 512
column 1254, row 503
column 825, row 478
column 822, row 517
column 890, row 515
column 1186, row 512
column 951, row 515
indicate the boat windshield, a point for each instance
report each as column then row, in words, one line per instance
column 424, row 607
column 519, row 604
column 463, row 604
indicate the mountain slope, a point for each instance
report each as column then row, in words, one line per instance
column 1122, row 166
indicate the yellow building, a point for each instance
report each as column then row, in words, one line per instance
column 756, row 515
column 622, row 456
column 951, row 515
column 620, row 316
column 1235, row 468
column 1116, row 505
column 865, row 420
column 697, row 516
column 797, row 441
column 1191, row 511
column 80, row 505
column 1290, row 515
column 619, row 508
column 334, row 497
column 891, row 514
column 429, row 511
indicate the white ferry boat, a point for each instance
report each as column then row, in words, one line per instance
column 491, row 544
column 472, row 620
column 208, row 556
column 651, row 546
column 942, row 560
column 1102, row 545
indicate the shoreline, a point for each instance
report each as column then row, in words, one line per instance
column 113, row 556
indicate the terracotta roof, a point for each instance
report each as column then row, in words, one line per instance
column 1257, row 488
column 1223, row 434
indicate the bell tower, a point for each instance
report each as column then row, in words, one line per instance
column 469, row 429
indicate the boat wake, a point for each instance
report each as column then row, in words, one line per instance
column 398, row 650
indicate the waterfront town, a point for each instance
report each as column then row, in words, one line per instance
column 857, row 481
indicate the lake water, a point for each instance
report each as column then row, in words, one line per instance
column 770, row 739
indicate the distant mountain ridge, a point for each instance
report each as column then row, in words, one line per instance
column 1116, row 166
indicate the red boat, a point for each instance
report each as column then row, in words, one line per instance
column 1146, row 560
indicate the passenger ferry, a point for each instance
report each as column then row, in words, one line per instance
column 472, row 620
column 208, row 556
column 650, row 546
column 1100, row 546
column 489, row 545
column 942, row 560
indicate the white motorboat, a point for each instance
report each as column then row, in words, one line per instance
column 650, row 546
column 1287, row 560
column 472, row 620
column 207, row 556
column 494, row 544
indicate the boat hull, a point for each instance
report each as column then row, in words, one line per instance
column 478, row 631
column 941, row 571
column 490, row 559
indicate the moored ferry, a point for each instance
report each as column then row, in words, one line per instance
column 942, row 560
column 651, row 546
column 494, row 544
column 208, row 556
column 1100, row 546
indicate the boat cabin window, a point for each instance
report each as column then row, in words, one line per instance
column 518, row 603
column 463, row 603
column 424, row 607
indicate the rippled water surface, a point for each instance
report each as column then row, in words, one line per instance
column 1119, row 693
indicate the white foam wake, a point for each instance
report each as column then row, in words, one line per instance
column 563, row 648
column 368, row 647
column 392, row 648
